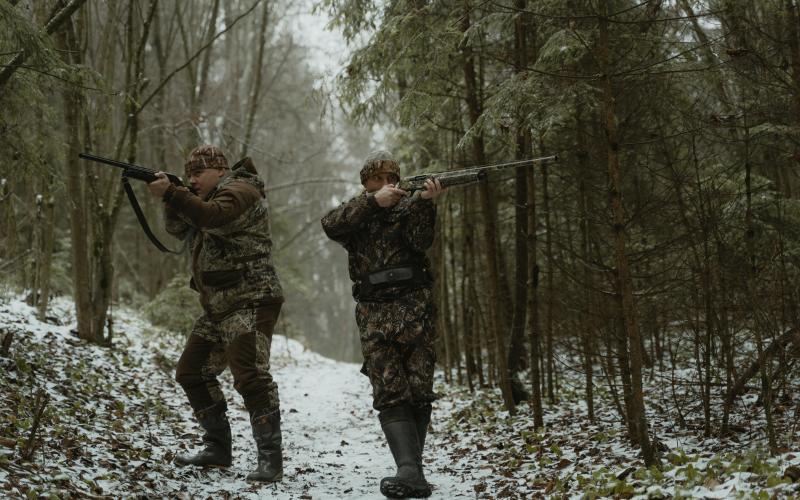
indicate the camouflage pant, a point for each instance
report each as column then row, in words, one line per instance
column 242, row 341
column 397, row 343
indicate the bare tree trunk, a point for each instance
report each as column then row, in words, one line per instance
column 441, row 299
column 158, row 277
column 12, row 250
column 548, row 252
column 484, row 339
column 254, row 100
column 517, row 348
column 792, row 22
column 74, row 176
column 702, row 267
column 467, row 315
column 456, row 349
column 489, row 226
column 583, row 199
column 472, row 345
column 534, row 329
column 766, row 382
column 206, row 65
column 46, row 241
column 625, row 285
column 611, row 375
column 35, row 256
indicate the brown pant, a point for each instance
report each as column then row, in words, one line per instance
column 241, row 341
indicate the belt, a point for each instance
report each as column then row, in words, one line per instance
column 403, row 277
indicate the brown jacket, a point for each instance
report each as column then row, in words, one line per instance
column 230, row 240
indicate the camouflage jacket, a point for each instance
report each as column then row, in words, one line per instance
column 230, row 241
column 378, row 238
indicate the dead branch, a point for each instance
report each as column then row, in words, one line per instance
column 39, row 404
column 792, row 335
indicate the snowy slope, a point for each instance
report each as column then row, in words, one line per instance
column 116, row 418
column 120, row 440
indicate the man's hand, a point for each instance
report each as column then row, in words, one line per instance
column 433, row 188
column 388, row 195
column 159, row 186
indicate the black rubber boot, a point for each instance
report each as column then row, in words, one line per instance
column 216, row 440
column 422, row 417
column 267, row 433
column 400, row 427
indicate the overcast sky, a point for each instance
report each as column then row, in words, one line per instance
column 328, row 48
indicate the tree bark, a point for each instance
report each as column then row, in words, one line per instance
column 44, row 266
column 456, row 349
column 489, row 226
column 586, row 326
column 74, row 177
column 548, row 252
column 517, row 347
column 754, row 302
column 255, row 93
column 624, row 281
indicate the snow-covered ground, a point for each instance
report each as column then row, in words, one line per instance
column 120, row 440
column 115, row 419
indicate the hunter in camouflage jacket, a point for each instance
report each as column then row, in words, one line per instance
column 230, row 241
column 224, row 219
column 396, row 324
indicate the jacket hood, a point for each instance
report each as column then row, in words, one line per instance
column 245, row 171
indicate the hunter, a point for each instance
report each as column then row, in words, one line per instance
column 386, row 233
column 225, row 216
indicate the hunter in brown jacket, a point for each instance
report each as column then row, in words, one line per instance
column 226, row 220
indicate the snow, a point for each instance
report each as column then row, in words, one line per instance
column 333, row 445
column 116, row 418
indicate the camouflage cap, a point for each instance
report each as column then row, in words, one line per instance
column 203, row 157
column 379, row 162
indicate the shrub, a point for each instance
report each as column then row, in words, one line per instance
column 176, row 307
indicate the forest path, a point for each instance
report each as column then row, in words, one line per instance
column 115, row 418
column 333, row 444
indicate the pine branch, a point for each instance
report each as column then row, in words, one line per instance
column 51, row 26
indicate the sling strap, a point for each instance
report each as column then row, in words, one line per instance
column 143, row 221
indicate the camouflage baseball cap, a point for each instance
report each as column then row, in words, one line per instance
column 379, row 162
column 203, row 157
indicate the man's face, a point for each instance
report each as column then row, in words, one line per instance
column 203, row 181
column 377, row 181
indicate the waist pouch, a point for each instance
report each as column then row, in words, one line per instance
column 403, row 277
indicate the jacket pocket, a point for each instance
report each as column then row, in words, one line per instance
column 222, row 279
